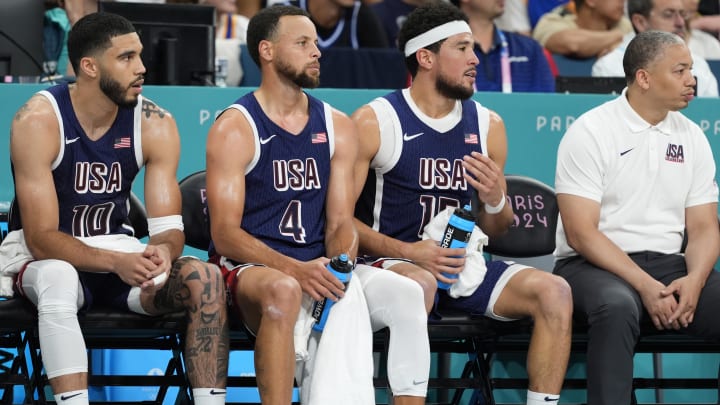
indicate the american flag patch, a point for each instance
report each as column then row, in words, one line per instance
column 320, row 137
column 122, row 142
column 471, row 138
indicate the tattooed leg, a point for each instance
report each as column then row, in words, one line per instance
column 198, row 288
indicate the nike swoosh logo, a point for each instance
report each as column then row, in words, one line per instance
column 65, row 398
column 218, row 392
column 69, row 141
column 419, row 382
column 263, row 141
column 548, row 399
column 411, row 137
column 623, row 153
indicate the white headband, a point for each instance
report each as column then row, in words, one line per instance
column 436, row 34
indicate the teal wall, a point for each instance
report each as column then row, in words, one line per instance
column 535, row 123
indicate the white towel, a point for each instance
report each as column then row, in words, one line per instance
column 14, row 253
column 474, row 271
column 336, row 366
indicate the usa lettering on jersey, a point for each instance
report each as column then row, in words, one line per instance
column 97, row 178
column 296, row 174
column 442, row 174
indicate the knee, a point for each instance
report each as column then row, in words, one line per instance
column 406, row 302
column 56, row 280
column 281, row 299
column 616, row 312
column 203, row 281
column 427, row 282
column 555, row 299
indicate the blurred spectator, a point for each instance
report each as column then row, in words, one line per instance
column 392, row 15
column 55, row 31
column 661, row 15
column 248, row 8
column 527, row 68
column 538, row 8
column 230, row 33
column 347, row 23
column 596, row 27
column 76, row 9
column 230, row 24
column 515, row 18
column 701, row 43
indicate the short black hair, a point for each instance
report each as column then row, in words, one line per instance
column 645, row 49
column 423, row 19
column 94, row 32
column 263, row 26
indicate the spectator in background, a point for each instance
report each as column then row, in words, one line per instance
column 701, row 43
column 710, row 20
column 346, row 23
column 230, row 33
column 596, row 27
column 538, row 8
column 661, row 15
column 527, row 68
column 633, row 176
column 55, row 32
column 515, row 18
column 393, row 13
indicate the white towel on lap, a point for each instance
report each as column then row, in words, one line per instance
column 14, row 253
column 336, row 366
column 474, row 271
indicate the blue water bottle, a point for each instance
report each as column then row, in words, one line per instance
column 457, row 234
column 341, row 267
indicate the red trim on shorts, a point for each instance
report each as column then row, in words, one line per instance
column 17, row 285
column 231, row 281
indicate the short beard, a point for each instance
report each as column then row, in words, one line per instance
column 114, row 91
column 301, row 78
column 452, row 91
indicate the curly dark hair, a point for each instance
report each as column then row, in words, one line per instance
column 423, row 19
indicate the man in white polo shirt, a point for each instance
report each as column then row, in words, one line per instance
column 633, row 177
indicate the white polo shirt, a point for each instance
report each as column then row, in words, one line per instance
column 643, row 176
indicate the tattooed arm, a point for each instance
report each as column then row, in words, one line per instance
column 161, row 153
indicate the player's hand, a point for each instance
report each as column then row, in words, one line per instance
column 317, row 281
column 660, row 306
column 485, row 176
column 688, row 290
column 160, row 256
column 437, row 260
column 135, row 269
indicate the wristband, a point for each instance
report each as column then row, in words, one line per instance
column 497, row 208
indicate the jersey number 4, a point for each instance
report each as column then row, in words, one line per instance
column 291, row 223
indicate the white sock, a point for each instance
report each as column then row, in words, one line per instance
column 79, row 397
column 539, row 398
column 208, row 396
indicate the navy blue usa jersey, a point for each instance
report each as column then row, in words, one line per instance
column 418, row 170
column 286, row 183
column 93, row 178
